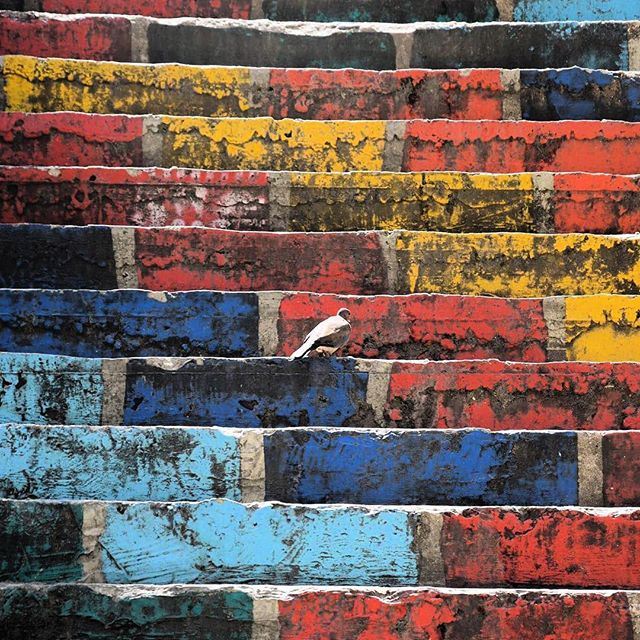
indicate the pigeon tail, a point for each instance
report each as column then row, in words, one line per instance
column 302, row 351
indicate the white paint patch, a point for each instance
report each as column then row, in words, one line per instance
column 171, row 363
column 252, row 468
column 159, row 296
column 123, row 240
column 114, row 380
column 94, row 517
column 590, row 474
column 266, row 625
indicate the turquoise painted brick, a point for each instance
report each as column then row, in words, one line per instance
column 223, row 541
column 49, row 389
column 118, row 463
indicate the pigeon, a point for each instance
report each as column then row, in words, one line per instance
column 327, row 337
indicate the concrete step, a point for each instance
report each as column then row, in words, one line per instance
column 363, row 263
column 600, row 45
column 273, row 543
column 294, row 201
column 483, row 394
column 51, row 612
column 128, row 323
column 78, row 139
column 320, row 465
column 41, row 84
column 362, row 10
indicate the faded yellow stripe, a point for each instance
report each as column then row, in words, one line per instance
column 603, row 328
column 518, row 264
column 279, row 145
column 34, row 84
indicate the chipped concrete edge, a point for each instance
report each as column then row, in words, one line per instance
column 266, row 619
column 511, row 106
column 123, row 240
column 394, row 139
column 114, row 381
column 633, row 46
column 139, row 39
column 378, row 379
column 590, row 473
column 427, row 540
column 252, row 466
column 279, row 200
column 94, row 517
column 268, row 315
column 404, row 48
column 555, row 311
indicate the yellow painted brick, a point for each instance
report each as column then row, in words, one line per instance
column 518, row 264
column 603, row 328
column 33, row 84
column 280, row 145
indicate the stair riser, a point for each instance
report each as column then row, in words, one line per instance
column 366, row 263
column 492, row 395
column 129, row 323
column 319, row 466
column 291, row 201
column 50, row 612
column 77, row 139
column 604, row 45
column 223, row 541
column 36, row 85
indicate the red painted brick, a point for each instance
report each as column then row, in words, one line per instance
column 596, row 203
column 89, row 38
column 159, row 8
column 501, row 395
column 436, row 327
column 433, row 615
column 608, row 146
column 621, row 471
column 70, row 139
column 355, row 94
column 493, row 547
column 175, row 259
column 144, row 197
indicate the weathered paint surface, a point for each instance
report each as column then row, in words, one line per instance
column 93, row 37
column 79, row 139
column 249, row 393
column 70, row 139
column 113, row 324
column 43, row 388
column 118, row 463
column 38, row 256
column 602, row 328
column 133, row 612
column 179, row 259
column 421, row 467
column 421, row 326
column 47, row 612
column 227, row 42
column 32, row 84
column 361, row 11
column 500, row 615
column 497, row 396
column 483, row 394
column 538, row 546
column 175, row 259
column 295, row 201
column 609, row 147
column 525, row 265
column 621, row 482
column 224, row 541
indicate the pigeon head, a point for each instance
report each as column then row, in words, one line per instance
column 344, row 313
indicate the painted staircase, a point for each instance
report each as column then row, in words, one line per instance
column 187, row 187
